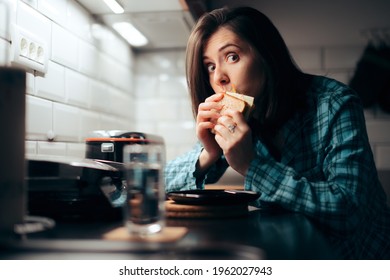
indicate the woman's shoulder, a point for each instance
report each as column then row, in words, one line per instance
column 327, row 85
column 329, row 91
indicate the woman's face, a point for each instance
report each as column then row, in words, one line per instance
column 232, row 63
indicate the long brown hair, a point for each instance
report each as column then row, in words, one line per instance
column 283, row 89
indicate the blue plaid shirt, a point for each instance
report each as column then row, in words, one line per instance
column 326, row 172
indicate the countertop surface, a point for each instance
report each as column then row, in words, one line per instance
column 257, row 235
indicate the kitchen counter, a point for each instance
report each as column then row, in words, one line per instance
column 259, row 235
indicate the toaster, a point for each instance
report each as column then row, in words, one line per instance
column 90, row 188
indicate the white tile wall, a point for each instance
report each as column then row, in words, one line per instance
column 308, row 58
column 54, row 10
column 11, row 4
column 39, row 115
column 163, row 104
column 3, row 52
column 382, row 156
column 88, row 59
column 90, row 121
column 66, row 123
column 94, row 81
column 65, row 47
column 89, row 82
column 52, row 85
column 76, row 88
column 51, row 148
column 342, row 57
column 33, row 21
column 378, row 131
column 79, row 22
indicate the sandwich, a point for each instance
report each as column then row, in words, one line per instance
column 237, row 102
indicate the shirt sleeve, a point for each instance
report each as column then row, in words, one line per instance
column 180, row 173
column 336, row 192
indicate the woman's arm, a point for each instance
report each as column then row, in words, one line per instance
column 336, row 191
column 183, row 173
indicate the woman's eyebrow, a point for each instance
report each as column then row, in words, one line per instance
column 228, row 45
column 224, row 47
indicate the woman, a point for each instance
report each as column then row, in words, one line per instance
column 305, row 148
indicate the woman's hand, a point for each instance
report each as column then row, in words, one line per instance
column 234, row 137
column 205, row 122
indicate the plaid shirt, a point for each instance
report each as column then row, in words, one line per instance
column 326, row 172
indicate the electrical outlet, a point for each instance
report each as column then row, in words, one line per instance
column 28, row 50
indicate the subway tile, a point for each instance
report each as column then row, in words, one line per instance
column 6, row 29
column 167, row 109
column 108, row 122
column 78, row 21
column 65, row 49
column 175, row 151
column 66, row 122
column 90, row 121
column 172, row 87
column 32, row 3
column 146, row 86
column 106, row 69
column 30, row 83
column 114, row 73
column 342, row 57
column 383, row 156
column 307, row 58
column 341, row 76
column 76, row 88
column 180, row 61
column 39, row 118
column 52, row 85
column 176, row 134
column 378, row 131
column 146, row 126
column 54, row 10
column 123, row 78
column 369, row 113
column 125, row 124
column 156, row 63
column 4, row 52
column 34, row 22
column 127, row 79
column 185, row 109
column 51, row 148
column 31, row 148
column 116, row 48
column 121, row 103
column 88, row 59
column 99, row 99
column 156, row 109
column 76, row 150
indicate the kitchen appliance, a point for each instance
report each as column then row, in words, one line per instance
column 12, row 122
column 107, row 145
column 91, row 188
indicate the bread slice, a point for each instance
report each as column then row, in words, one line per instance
column 249, row 102
column 231, row 102
column 238, row 102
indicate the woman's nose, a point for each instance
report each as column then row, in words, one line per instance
column 220, row 77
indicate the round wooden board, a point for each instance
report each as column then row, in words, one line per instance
column 176, row 210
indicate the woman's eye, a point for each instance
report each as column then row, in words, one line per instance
column 232, row 57
column 210, row 68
